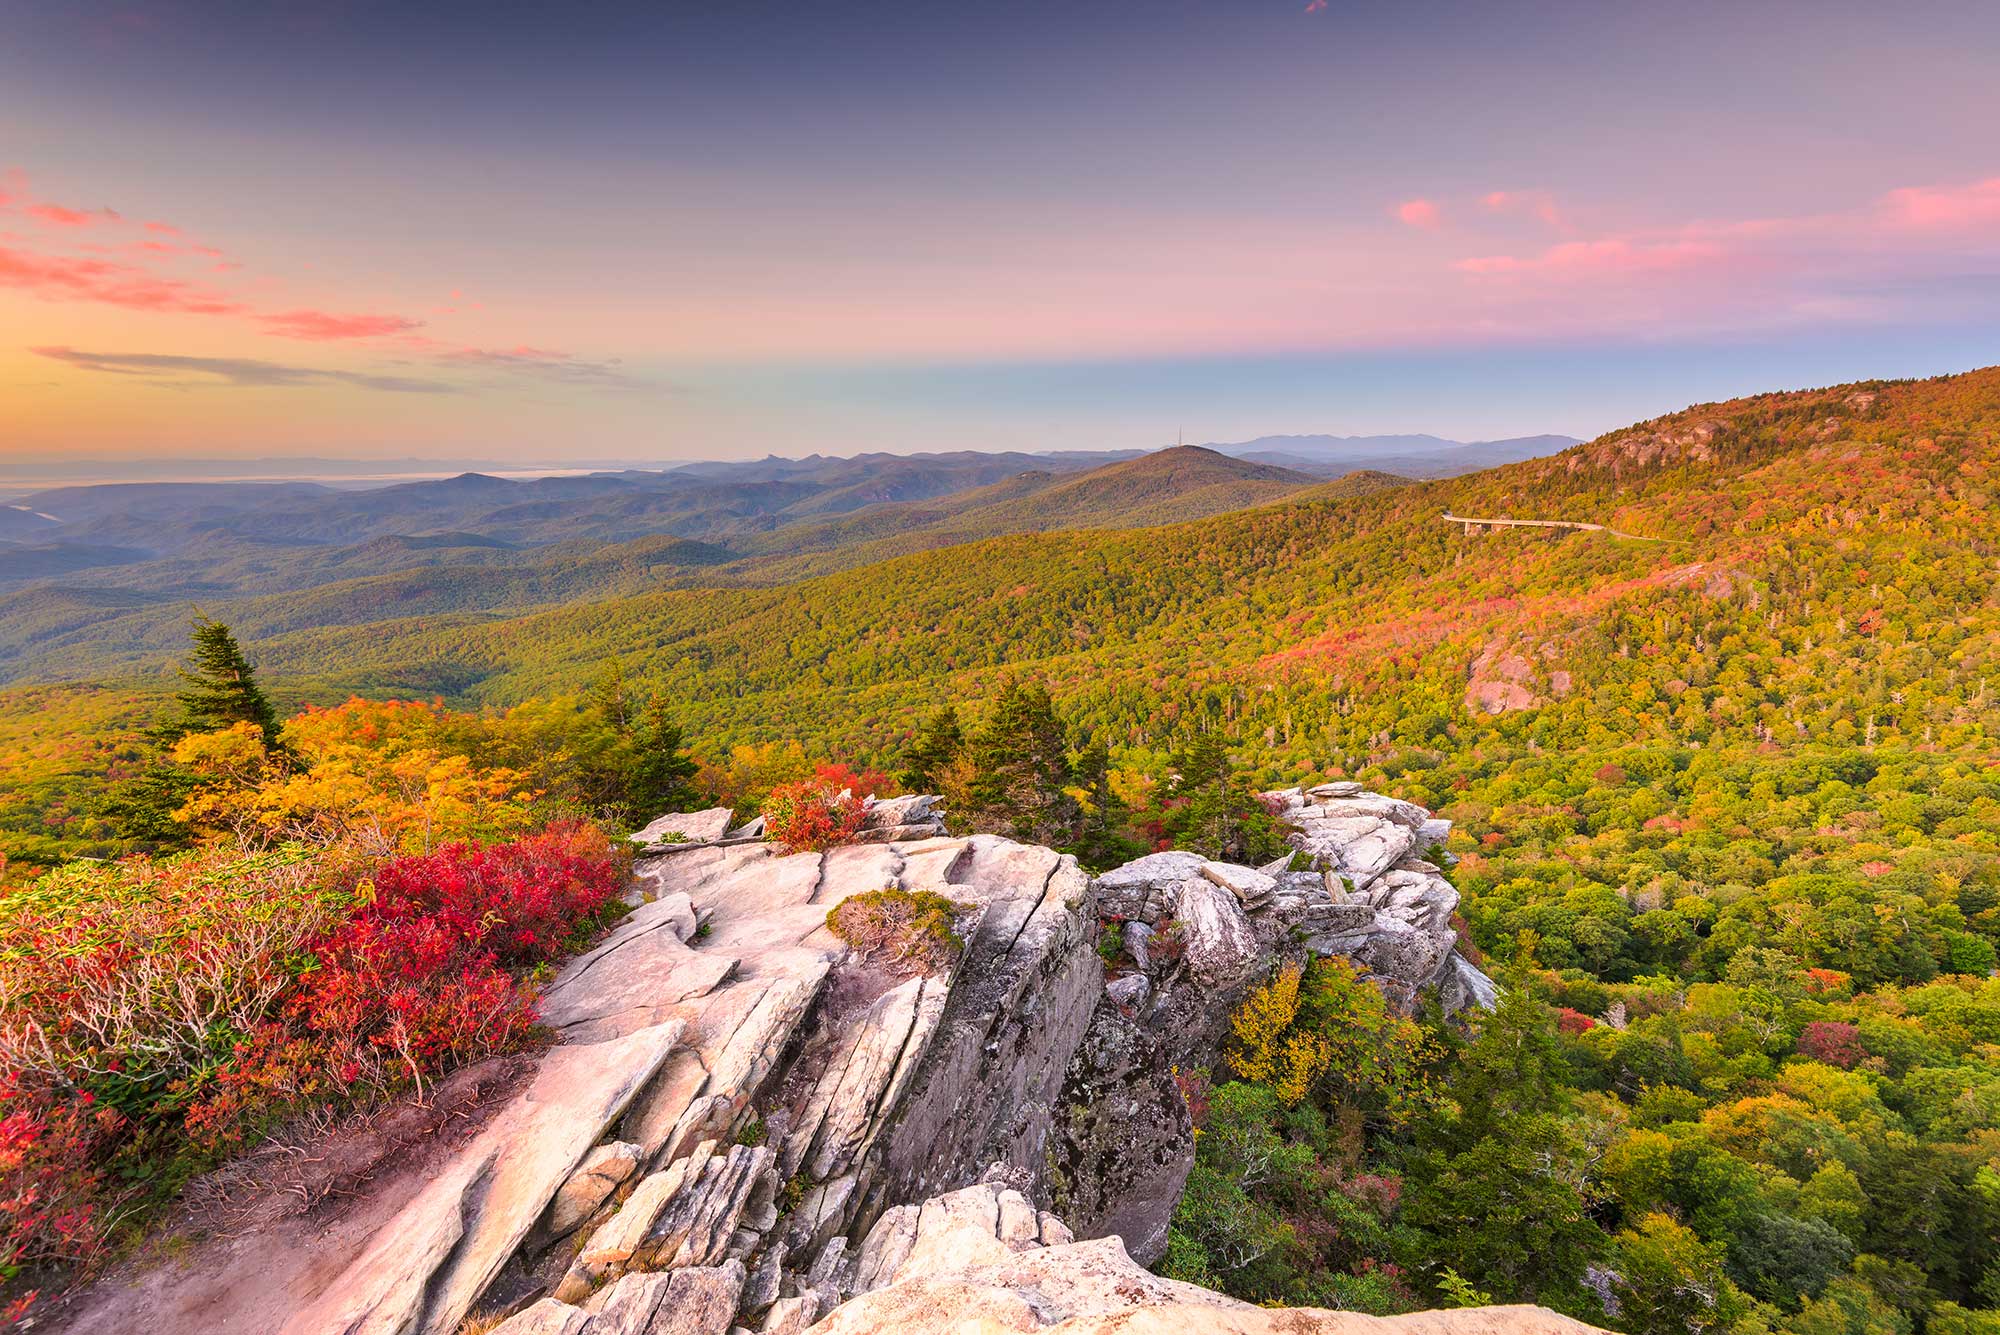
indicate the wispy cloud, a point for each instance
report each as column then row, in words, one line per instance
column 58, row 216
column 1539, row 204
column 327, row 327
column 1584, row 259
column 542, row 363
column 1942, row 207
column 144, row 273
column 233, row 372
column 1911, row 252
column 109, row 282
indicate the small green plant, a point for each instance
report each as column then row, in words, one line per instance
column 914, row 927
column 1111, row 942
column 1458, row 1291
column 752, row 1132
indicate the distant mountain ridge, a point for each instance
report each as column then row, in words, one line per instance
column 475, row 544
column 1417, row 456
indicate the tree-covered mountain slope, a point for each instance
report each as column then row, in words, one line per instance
column 118, row 619
column 1823, row 567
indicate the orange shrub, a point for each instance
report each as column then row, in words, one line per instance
column 811, row 816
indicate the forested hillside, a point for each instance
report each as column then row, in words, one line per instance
column 1822, row 570
column 272, row 573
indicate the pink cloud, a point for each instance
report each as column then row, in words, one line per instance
column 1609, row 256
column 109, row 283
column 1315, row 6
column 163, row 228
column 1538, row 203
column 57, row 216
column 1951, row 206
column 1419, row 213
column 323, row 326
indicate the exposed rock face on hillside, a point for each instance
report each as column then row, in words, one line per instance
column 749, row 1123
column 982, row 1258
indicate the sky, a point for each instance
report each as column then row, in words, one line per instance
column 659, row 231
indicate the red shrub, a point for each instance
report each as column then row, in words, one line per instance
column 522, row 901
column 810, row 816
column 48, row 1179
column 1463, row 931
column 116, row 980
column 414, row 983
column 1194, row 1089
column 1832, row 1042
column 1572, row 1021
column 839, row 775
column 1379, row 1192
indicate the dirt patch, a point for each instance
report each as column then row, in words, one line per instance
column 254, row 1241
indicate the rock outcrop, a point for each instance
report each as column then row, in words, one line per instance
column 983, row 1258
column 749, row 1124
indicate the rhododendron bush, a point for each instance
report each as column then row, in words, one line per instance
column 812, row 815
column 155, row 1012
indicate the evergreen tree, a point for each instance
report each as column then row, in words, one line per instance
column 662, row 774
column 1499, row 1191
column 1016, row 772
column 1212, row 809
column 608, row 698
column 1514, row 1069
column 222, row 688
column 938, row 741
column 1104, row 839
column 141, row 808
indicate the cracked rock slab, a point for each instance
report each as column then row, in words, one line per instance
column 685, row 1215
column 422, row 1271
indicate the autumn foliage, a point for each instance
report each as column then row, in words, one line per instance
column 812, row 815
column 1833, row 1042
column 156, row 1012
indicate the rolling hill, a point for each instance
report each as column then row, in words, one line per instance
column 130, row 617
column 1317, row 613
column 1810, row 569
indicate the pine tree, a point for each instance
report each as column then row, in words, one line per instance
column 607, row 695
column 937, row 742
column 1499, row 1192
column 222, row 688
column 1214, row 811
column 662, row 773
column 1018, row 770
column 1105, row 839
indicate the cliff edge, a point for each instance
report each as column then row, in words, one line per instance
column 750, row 1122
